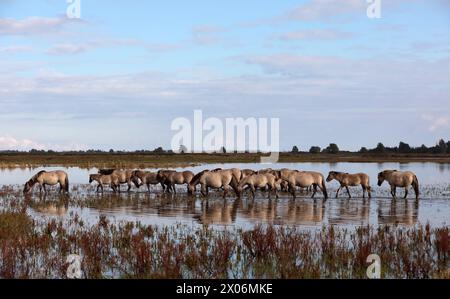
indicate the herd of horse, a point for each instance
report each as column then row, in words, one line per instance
column 238, row 180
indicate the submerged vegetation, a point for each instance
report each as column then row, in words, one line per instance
column 39, row 249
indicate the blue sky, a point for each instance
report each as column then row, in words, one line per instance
column 120, row 75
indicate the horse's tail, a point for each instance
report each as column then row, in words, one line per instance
column 324, row 188
column 66, row 183
column 415, row 184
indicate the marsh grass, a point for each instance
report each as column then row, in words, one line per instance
column 167, row 160
column 38, row 249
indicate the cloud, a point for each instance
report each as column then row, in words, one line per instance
column 31, row 25
column 314, row 34
column 317, row 9
column 436, row 122
column 206, row 34
column 64, row 49
column 72, row 49
column 11, row 143
column 15, row 49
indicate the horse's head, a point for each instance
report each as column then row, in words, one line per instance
column 137, row 181
column 278, row 184
column 381, row 178
column 191, row 189
column 28, row 186
column 91, row 178
column 331, row 176
column 160, row 175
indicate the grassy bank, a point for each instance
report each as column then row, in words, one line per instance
column 138, row 160
column 31, row 249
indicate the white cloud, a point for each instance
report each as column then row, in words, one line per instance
column 317, row 9
column 15, row 49
column 31, row 25
column 314, row 34
column 70, row 48
column 64, row 49
column 436, row 122
column 206, row 34
column 11, row 143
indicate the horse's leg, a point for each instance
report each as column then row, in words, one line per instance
column 292, row 189
column 253, row 191
column 406, row 193
column 225, row 191
column 148, row 188
column 364, row 191
column 337, row 193
column 315, row 190
column 174, row 188
column 204, row 190
column 45, row 189
column 394, row 191
column 348, row 191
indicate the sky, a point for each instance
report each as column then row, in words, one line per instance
column 118, row 76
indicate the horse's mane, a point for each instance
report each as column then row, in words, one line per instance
column 197, row 177
column 38, row 174
column 106, row 171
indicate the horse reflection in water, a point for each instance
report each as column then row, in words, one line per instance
column 51, row 206
column 349, row 212
column 398, row 212
column 227, row 213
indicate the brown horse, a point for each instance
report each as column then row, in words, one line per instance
column 147, row 178
column 305, row 179
column 111, row 180
column 51, row 178
column 171, row 178
column 124, row 176
column 246, row 172
column 222, row 179
column 351, row 180
column 399, row 179
column 261, row 181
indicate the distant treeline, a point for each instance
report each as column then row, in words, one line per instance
column 442, row 147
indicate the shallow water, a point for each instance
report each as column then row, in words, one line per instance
column 158, row 209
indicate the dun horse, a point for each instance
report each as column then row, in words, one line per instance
column 147, row 178
column 399, row 179
column 259, row 181
column 222, row 179
column 305, row 179
column 170, row 179
column 124, row 176
column 111, row 180
column 51, row 178
column 351, row 180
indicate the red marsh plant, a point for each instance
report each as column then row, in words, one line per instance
column 39, row 249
